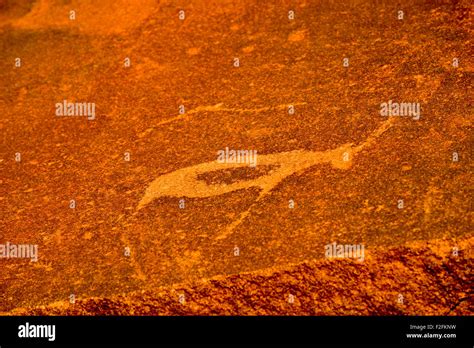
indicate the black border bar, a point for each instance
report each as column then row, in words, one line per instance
column 347, row 331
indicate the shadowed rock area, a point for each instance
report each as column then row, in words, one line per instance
column 441, row 287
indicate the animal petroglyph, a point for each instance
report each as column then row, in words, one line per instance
column 185, row 182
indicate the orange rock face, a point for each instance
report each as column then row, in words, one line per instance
column 349, row 191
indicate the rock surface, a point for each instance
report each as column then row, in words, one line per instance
column 344, row 167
